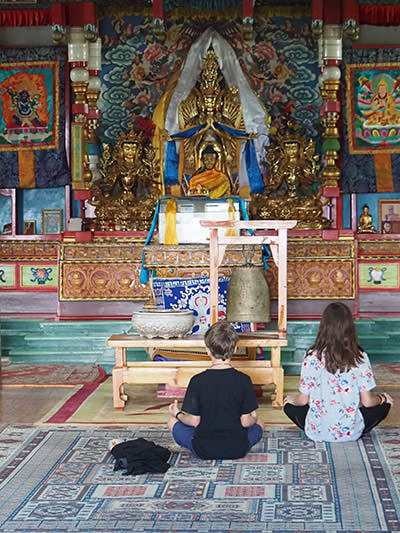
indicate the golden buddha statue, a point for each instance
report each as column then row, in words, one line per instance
column 292, row 167
column 126, row 196
column 212, row 112
column 366, row 221
column 208, row 180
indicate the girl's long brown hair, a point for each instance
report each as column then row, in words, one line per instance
column 337, row 337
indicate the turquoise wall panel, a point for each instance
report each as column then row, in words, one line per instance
column 33, row 201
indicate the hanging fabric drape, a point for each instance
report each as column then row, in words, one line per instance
column 379, row 15
column 25, row 17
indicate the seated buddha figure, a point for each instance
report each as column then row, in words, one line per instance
column 126, row 196
column 292, row 191
column 366, row 221
column 208, row 180
column 291, row 164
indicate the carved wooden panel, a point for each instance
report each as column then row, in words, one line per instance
column 194, row 256
column 379, row 249
column 115, row 251
column 28, row 251
column 101, row 280
column 305, row 247
column 316, row 278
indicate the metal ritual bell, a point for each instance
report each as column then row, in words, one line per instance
column 248, row 295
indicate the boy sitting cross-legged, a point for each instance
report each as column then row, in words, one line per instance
column 219, row 417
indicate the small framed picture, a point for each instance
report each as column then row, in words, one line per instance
column 51, row 221
column 389, row 215
column 29, row 227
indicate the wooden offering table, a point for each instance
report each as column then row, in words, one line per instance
column 178, row 373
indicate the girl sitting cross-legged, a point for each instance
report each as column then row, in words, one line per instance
column 335, row 402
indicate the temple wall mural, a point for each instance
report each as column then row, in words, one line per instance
column 281, row 65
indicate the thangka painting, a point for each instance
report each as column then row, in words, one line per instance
column 32, row 118
column 29, row 105
column 373, row 107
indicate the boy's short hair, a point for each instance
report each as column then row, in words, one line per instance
column 221, row 339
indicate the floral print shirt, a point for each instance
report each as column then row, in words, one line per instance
column 334, row 399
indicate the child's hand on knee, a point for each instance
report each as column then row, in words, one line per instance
column 388, row 398
column 173, row 408
column 290, row 398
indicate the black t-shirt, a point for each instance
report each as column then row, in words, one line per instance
column 220, row 397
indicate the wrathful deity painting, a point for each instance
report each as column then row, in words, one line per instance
column 373, row 107
column 28, row 105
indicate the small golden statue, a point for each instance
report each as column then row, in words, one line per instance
column 365, row 221
column 292, row 167
column 208, row 180
column 126, row 196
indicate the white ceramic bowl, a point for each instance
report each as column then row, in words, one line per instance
column 162, row 323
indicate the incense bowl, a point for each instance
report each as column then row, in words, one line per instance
column 164, row 323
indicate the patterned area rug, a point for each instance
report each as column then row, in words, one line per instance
column 63, row 480
column 28, row 375
column 93, row 404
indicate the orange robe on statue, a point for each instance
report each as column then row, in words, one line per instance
column 215, row 181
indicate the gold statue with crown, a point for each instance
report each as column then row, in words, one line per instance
column 126, row 196
column 292, row 168
column 211, row 155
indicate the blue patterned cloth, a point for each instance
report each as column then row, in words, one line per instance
column 194, row 294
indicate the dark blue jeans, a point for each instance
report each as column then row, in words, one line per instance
column 183, row 435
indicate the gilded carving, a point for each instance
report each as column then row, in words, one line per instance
column 102, row 280
column 319, row 248
column 126, row 196
column 382, row 249
column 156, row 256
column 113, row 252
column 315, row 278
column 291, row 192
column 24, row 251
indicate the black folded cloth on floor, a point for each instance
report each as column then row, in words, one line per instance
column 140, row 456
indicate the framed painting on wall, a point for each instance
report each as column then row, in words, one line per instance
column 389, row 215
column 373, row 107
column 29, row 227
column 51, row 221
